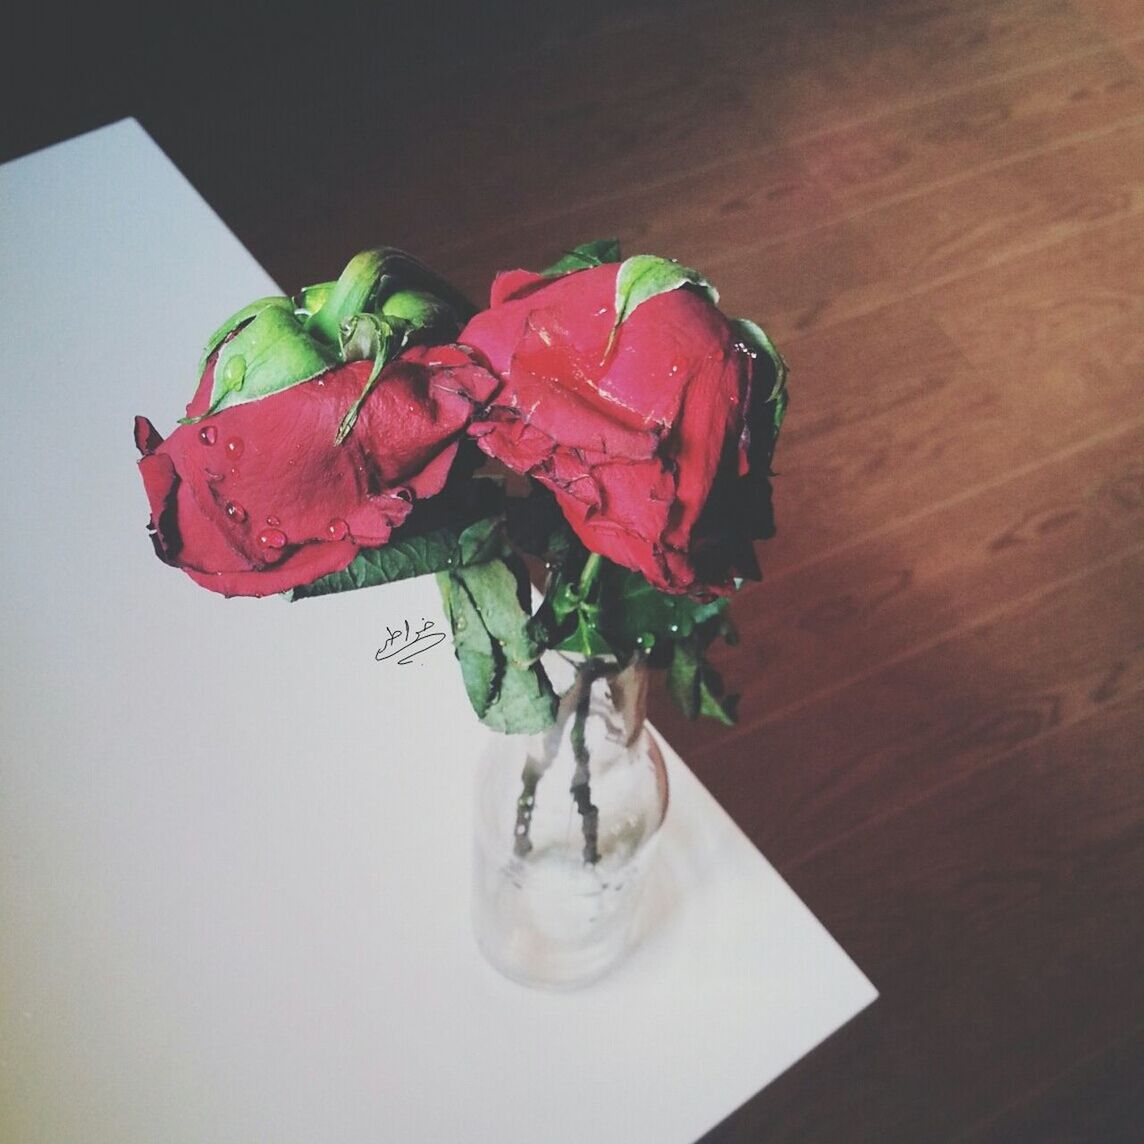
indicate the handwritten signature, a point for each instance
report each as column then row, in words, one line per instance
column 407, row 641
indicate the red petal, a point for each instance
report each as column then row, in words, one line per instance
column 147, row 437
column 303, row 567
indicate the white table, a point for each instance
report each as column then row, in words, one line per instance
column 234, row 849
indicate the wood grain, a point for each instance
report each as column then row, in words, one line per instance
column 937, row 207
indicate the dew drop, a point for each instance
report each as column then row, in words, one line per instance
column 337, row 529
column 272, row 538
column 234, row 371
column 208, row 434
column 273, row 521
column 234, row 448
column 213, row 476
column 235, row 511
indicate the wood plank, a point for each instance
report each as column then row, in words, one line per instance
column 1001, row 918
column 650, row 104
column 749, row 203
column 815, row 629
column 696, row 219
column 1067, row 261
column 1119, row 19
column 869, row 751
column 945, row 140
column 958, row 228
column 883, row 436
column 1100, row 1099
column 1036, row 303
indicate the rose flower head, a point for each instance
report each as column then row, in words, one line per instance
column 316, row 426
column 651, row 416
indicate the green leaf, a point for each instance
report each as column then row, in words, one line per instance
column 406, row 557
column 480, row 541
column 681, row 680
column 246, row 314
column 492, row 637
column 472, row 643
column 696, row 686
column 758, row 343
column 584, row 256
column 634, row 610
column 645, row 275
column 268, row 355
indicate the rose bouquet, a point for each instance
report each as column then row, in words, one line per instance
column 601, row 420
column 600, row 431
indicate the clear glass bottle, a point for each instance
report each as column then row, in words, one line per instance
column 566, row 822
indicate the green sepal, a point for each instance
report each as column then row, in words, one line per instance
column 383, row 300
column 697, row 687
column 586, row 255
column 644, row 276
column 371, row 280
column 423, row 313
column 269, row 354
column 757, row 342
column 405, row 557
column 493, row 640
column 312, row 299
column 353, row 293
column 246, row 314
column 365, row 337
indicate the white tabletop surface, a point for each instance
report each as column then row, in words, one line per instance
column 234, row 849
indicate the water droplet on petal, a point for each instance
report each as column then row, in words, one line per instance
column 273, row 521
column 212, row 476
column 208, row 434
column 235, row 511
column 272, row 538
column 337, row 529
column 234, row 448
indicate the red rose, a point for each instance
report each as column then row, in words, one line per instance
column 257, row 498
column 656, row 436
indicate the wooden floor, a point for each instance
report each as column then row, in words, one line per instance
column 937, row 208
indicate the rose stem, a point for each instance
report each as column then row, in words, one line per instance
column 525, row 803
column 589, row 814
column 588, row 575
